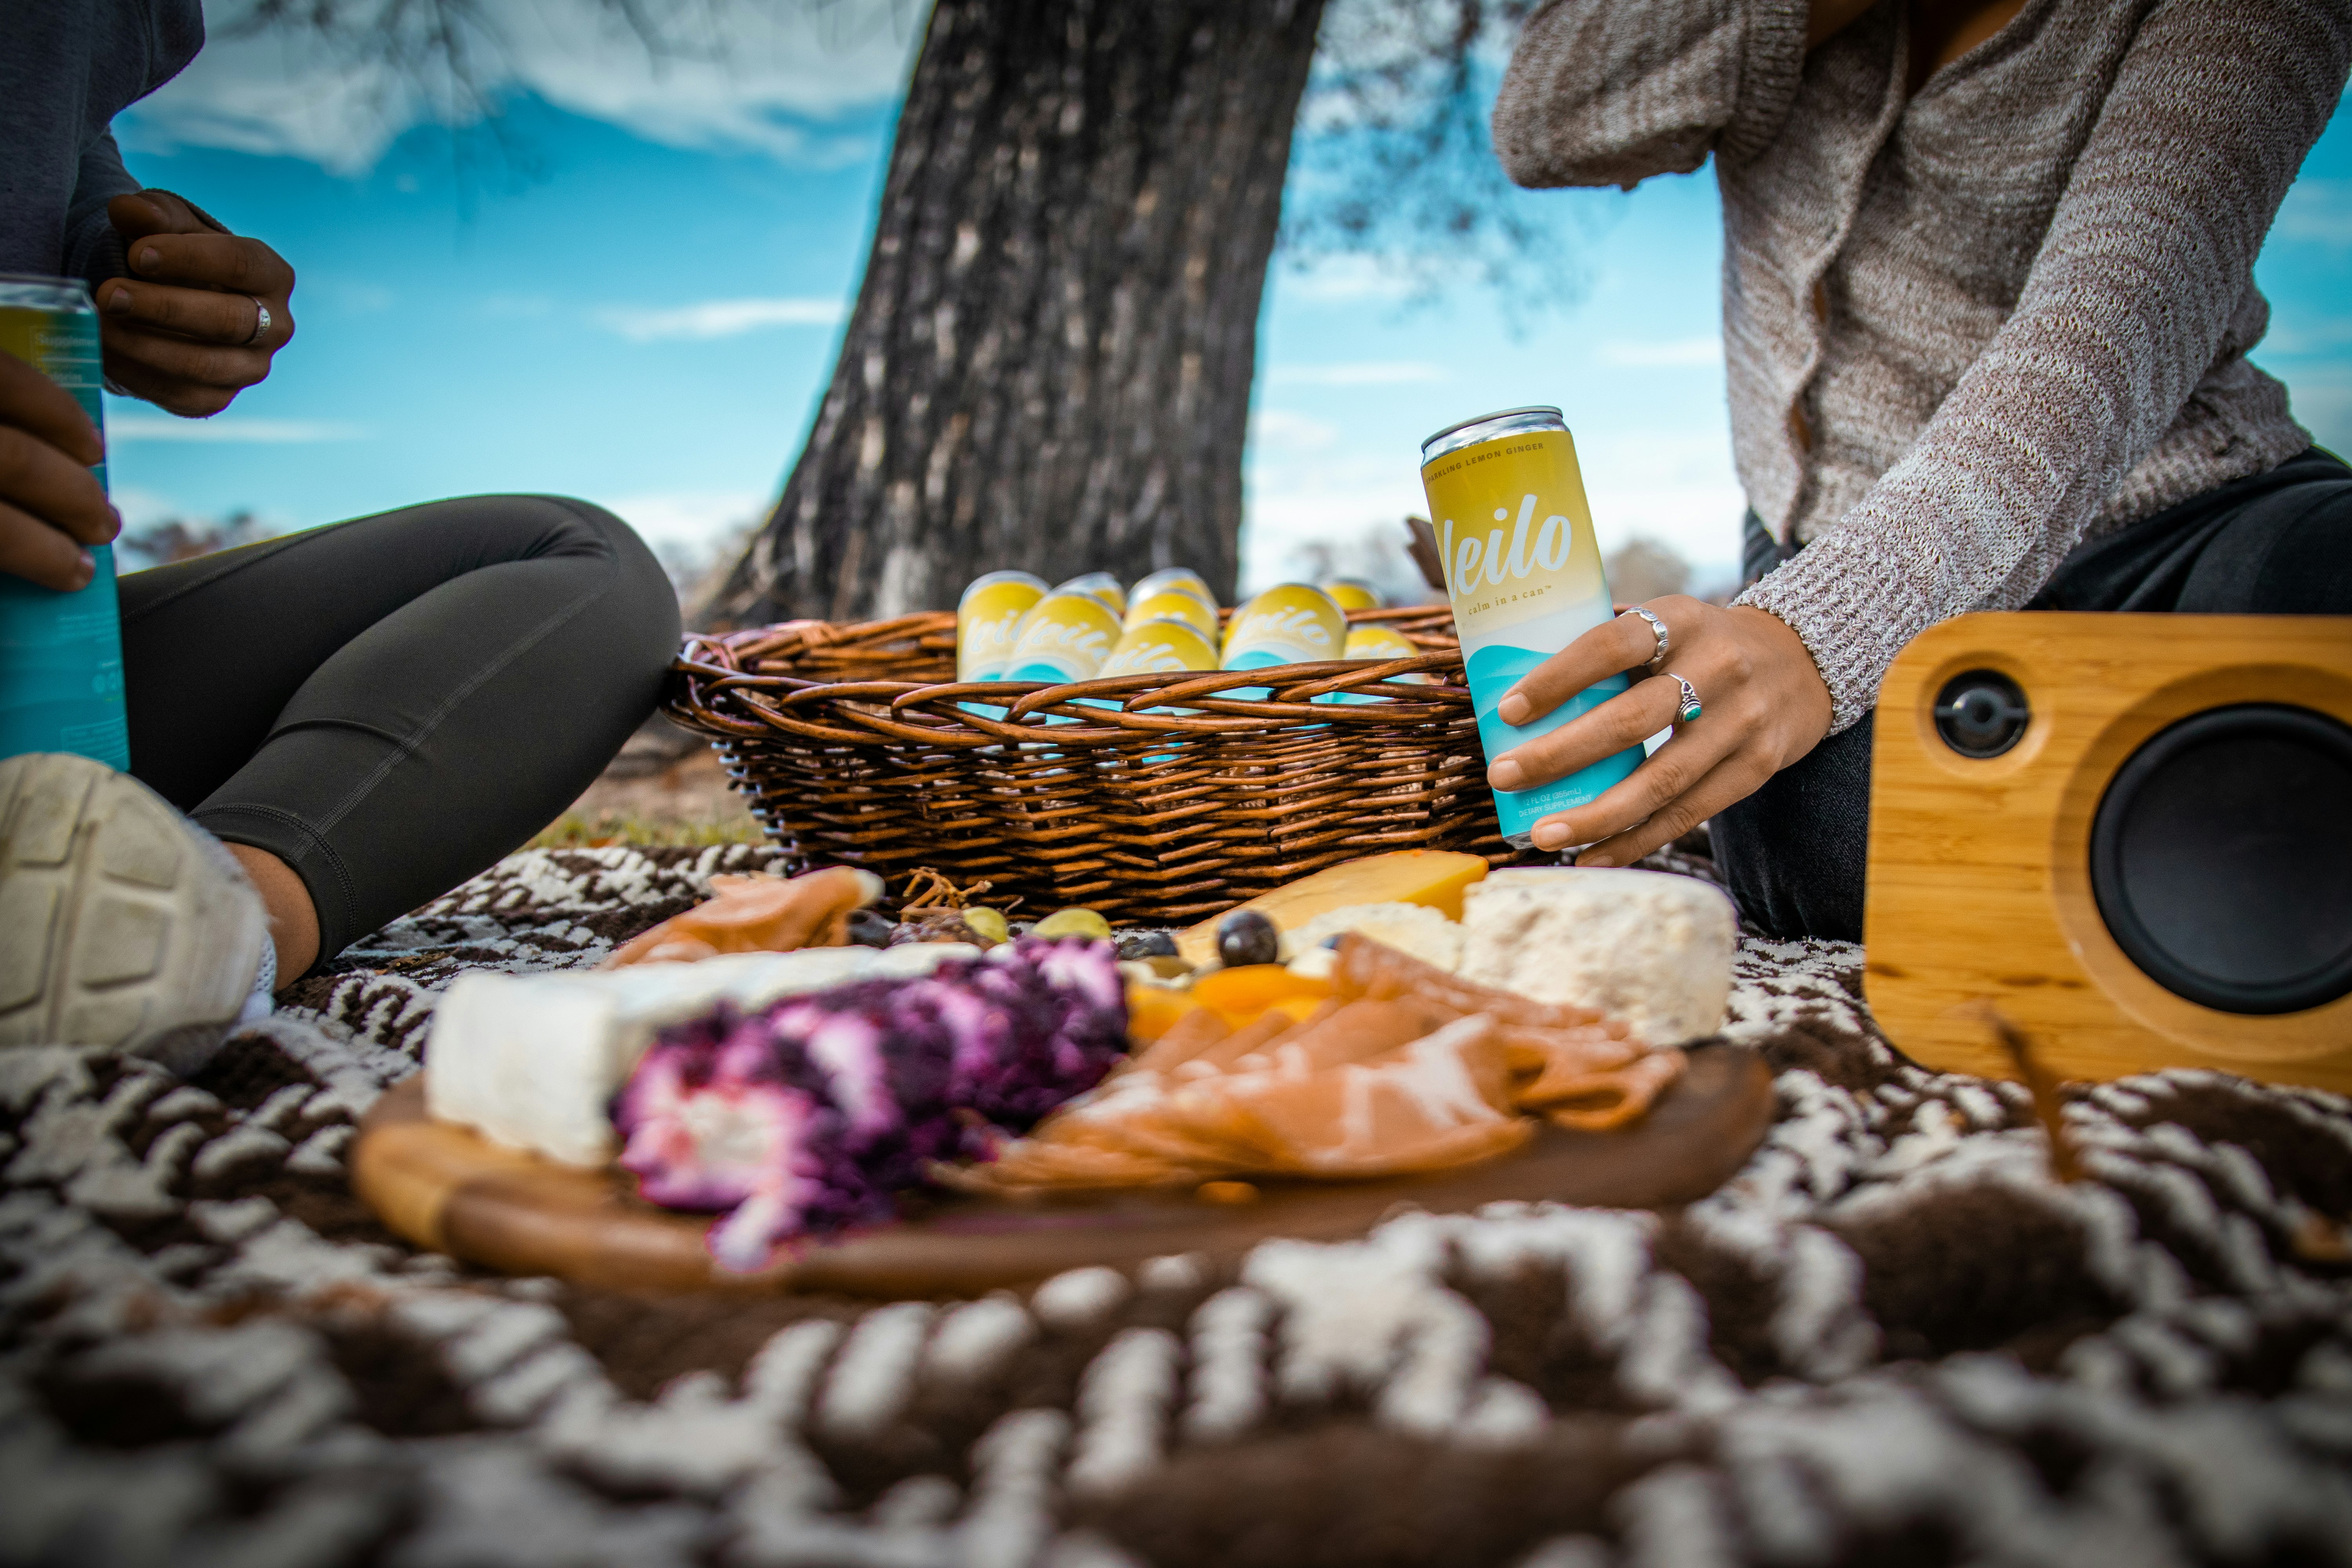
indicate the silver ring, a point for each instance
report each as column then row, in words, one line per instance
column 1657, row 630
column 261, row 320
column 1688, row 708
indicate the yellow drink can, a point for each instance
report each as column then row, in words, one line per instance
column 61, row 683
column 1065, row 636
column 1181, row 577
column 1523, row 570
column 1290, row 622
column 988, row 618
column 1384, row 642
column 1371, row 642
column 1174, row 605
column 1097, row 585
column 1169, row 645
column 1350, row 594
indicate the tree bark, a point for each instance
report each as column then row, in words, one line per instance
column 1049, row 363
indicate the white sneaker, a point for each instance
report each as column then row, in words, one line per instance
column 121, row 923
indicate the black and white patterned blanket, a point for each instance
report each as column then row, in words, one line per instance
column 1892, row 1339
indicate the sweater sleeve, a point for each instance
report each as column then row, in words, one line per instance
column 1607, row 92
column 2148, row 257
column 93, row 251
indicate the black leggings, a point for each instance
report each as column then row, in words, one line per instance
column 2276, row 544
column 391, row 704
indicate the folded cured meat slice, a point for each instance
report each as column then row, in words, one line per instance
column 1431, row 1102
column 1407, row 1068
column 1579, row 1068
column 1600, row 1101
column 1366, row 968
column 757, row 915
column 1361, row 1089
column 1190, row 1035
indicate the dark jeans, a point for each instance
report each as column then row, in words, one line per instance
column 391, row 704
column 2277, row 543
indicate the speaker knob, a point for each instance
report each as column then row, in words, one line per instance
column 1981, row 713
column 2221, row 859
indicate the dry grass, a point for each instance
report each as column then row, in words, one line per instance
column 686, row 801
column 578, row 830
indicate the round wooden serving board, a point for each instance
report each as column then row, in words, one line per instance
column 447, row 1188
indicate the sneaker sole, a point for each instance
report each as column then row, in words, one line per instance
column 126, row 927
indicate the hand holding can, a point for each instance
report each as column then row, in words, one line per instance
column 1523, row 572
column 53, row 505
column 62, row 681
column 1737, row 687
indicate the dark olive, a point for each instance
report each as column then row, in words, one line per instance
column 871, row 928
column 1145, row 944
column 935, row 925
column 1247, row 936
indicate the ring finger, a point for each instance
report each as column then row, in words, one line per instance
column 202, row 314
column 1668, row 772
column 205, row 363
column 1626, row 720
column 34, row 551
column 1733, row 779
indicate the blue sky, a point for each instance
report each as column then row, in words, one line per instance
column 647, row 316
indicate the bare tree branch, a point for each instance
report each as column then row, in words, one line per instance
column 1395, row 161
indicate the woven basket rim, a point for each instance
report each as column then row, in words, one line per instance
column 1159, row 797
column 1078, row 712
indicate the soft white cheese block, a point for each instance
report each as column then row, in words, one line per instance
column 1649, row 947
column 534, row 1059
column 1415, row 929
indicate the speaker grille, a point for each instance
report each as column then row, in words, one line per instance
column 2221, row 859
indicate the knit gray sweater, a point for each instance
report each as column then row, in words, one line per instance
column 1969, row 327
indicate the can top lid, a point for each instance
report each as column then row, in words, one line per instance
column 1500, row 413
column 41, row 292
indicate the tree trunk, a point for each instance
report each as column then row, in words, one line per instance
column 1049, row 364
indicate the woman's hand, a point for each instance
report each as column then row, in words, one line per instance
column 183, row 330
column 52, row 505
column 1763, row 705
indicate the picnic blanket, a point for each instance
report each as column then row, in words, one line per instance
column 1893, row 1337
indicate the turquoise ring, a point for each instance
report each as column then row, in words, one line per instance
column 1688, row 708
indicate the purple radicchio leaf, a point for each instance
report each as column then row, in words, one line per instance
column 807, row 1118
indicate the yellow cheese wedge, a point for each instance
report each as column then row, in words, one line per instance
column 1432, row 877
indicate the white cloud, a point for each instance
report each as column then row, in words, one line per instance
column 2321, row 397
column 1673, row 485
column 742, row 73
column 1672, row 351
column 1343, row 280
column 718, row 318
column 140, row 507
column 267, row 432
column 1284, row 431
column 2308, row 335
column 1394, row 373
column 691, row 519
column 351, row 296
column 2319, row 211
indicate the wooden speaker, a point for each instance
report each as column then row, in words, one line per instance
column 2130, row 835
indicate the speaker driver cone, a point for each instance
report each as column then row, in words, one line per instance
column 2221, row 859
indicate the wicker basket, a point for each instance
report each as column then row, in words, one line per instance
column 1154, row 798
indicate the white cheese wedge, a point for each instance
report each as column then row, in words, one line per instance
column 1649, row 947
column 1415, row 929
column 533, row 1060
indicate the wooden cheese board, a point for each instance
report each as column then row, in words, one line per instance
column 447, row 1188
